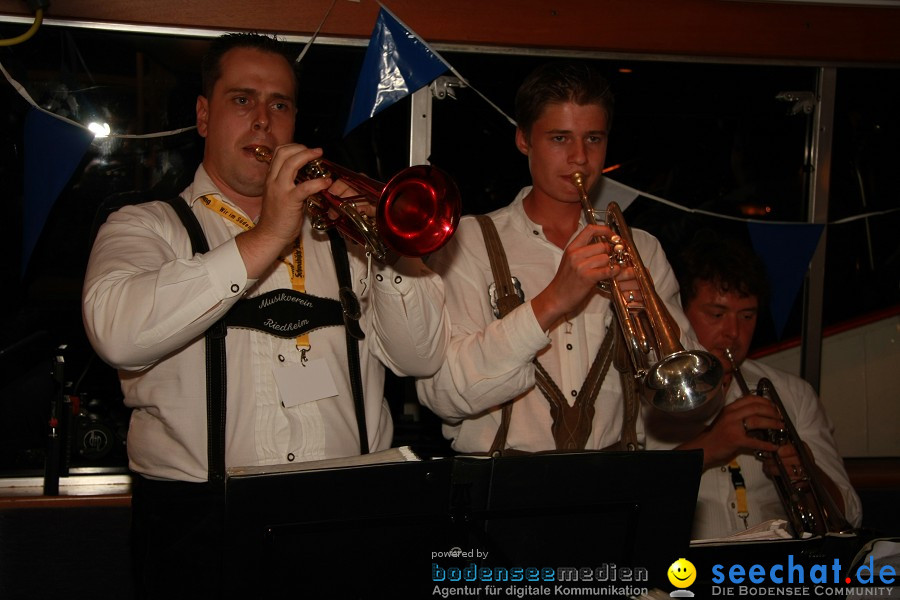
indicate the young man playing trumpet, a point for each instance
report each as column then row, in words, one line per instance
column 548, row 307
column 723, row 285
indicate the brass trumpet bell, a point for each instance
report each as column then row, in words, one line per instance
column 416, row 212
column 419, row 210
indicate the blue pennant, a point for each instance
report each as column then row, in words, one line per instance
column 397, row 63
column 786, row 251
column 53, row 150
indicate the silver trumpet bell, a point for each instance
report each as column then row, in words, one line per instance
column 673, row 379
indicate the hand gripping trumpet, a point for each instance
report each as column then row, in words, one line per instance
column 809, row 506
column 673, row 379
column 416, row 212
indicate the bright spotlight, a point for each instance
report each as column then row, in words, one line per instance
column 99, row 129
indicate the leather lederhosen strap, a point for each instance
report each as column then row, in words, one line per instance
column 630, row 395
column 571, row 424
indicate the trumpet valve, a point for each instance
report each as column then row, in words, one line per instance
column 314, row 169
column 779, row 437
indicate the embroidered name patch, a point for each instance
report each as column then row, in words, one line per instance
column 285, row 313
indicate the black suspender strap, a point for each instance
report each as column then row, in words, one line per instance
column 216, row 378
column 353, row 333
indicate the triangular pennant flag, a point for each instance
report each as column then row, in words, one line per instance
column 397, row 63
column 53, row 149
column 786, row 250
column 609, row 190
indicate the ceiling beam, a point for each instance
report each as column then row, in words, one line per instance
column 825, row 33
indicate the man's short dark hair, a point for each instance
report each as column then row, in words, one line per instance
column 211, row 65
column 727, row 263
column 558, row 82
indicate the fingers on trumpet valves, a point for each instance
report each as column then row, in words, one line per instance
column 612, row 265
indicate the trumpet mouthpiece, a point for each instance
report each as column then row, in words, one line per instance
column 730, row 355
column 263, row 154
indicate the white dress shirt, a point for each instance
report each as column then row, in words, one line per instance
column 716, row 514
column 489, row 359
column 147, row 302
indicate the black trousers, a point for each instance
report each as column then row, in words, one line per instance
column 177, row 531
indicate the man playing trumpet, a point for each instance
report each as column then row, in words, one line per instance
column 310, row 324
column 722, row 287
column 520, row 372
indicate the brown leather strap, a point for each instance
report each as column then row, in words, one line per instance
column 507, row 299
column 630, row 394
column 571, row 424
column 499, row 443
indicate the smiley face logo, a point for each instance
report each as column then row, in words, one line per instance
column 682, row 573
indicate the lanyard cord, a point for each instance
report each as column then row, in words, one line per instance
column 296, row 266
column 740, row 490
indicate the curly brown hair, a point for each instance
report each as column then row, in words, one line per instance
column 728, row 263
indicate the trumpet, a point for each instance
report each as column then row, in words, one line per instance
column 416, row 212
column 809, row 506
column 673, row 379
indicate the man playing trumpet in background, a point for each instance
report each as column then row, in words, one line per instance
column 723, row 285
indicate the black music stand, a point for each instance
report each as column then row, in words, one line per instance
column 629, row 509
column 348, row 532
column 366, row 531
